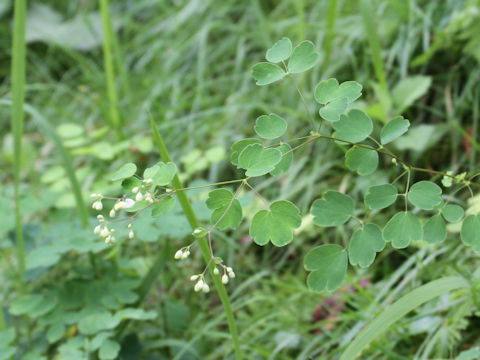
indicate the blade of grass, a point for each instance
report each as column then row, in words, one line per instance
column 203, row 244
column 18, row 98
column 330, row 32
column 399, row 309
column 109, row 69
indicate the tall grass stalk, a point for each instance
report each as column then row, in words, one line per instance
column 194, row 223
column 109, row 68
column 371, row 32
column 330, row 32
column 18, row 98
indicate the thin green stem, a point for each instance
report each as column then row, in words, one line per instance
column 203, row 243
column 18, row 98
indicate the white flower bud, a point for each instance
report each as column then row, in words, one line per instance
column 135, row 190
column 131, row 234
column 225, row 279
column 139, row 197
column 194, row 277
column 100, row 217
column 97, row 205
column 205, row 288
column 186, row 254
column 229, row 269
column 104, row 232
column 97, row 230
column 231, row 274
column 128, row 203
column 129, row 226
column 108, row 239
column 148, row 181
column 94, row 195
column 199, row 285
column 216, row 271
column 112, row 213
column 178, row 254
column 119, row 205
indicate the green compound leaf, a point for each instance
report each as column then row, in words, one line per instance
column 470, row 232
column 425, row 194
column 275, row 224
column 219, row 201
column 163, row 207
column 161, row 173
column 286, row 161
column 355, row 126
column 266, row 73
column 381, row 196
column 124, row 172
column 364, row 245
column 328, row 266
column 280, row 51
column 435, row 230
column 334, row 109
column 333, row 210
column 96, row 322
column 270, row 126
column 452, row 213
column 329, row 90
column 401, row 229
column 25, row 304
column 303, row 57
column 257, row 160
column 394, row 129
column 361, row 160
column 109, row 350
column 238, row 147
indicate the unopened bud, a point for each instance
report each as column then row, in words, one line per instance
column 225, row 279
column 112, row 213
column 131, row 234
column 97, row 230
column 216, row 271
column 205, row 288
column 178, row 254
column 194, row 277
column 135, row 190
column 139, row 197
column 199, row 285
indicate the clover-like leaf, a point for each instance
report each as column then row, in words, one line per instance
column 333, row 210
column 270, row 126
column 361, row 160
column 394, row 129
column 304, row 57
column 354, row 126
column 124, row 172
column 160, row 173
column 275, row 224
column 257, row 160
column 401, row 229
column 380, row 196
column 452, row 213
column 425, row 194
column 284, row 164
column 163, row 206
column 328, row 266
column 266, row 73
column 435, row 230
column 364, row 245
column 329, row 90
column 224, row 206
column 109, row 350
column 280, row 51
column 334, row 109
column 470, row 232
column 96, row 322
column 238, row 146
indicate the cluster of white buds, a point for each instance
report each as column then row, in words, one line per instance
column 228, row 273
column 97, row 204
column 123, row 204
column 183, row 253
column 201, row 284
column 103, row 231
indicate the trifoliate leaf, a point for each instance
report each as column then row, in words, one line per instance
column 270, row 126
column 333, row 210
column 224, row 206
column 401, row 229
column 96, row 322
column 124, row 172
column 275, row 224
column 266, row 73
column 238, row 146
column 163, row 206
column 380, row 196
column 109, row 350
column 329, row 90
column 303, row 57
column 361, row 160
column 161, row 173
column 355, row 126
column 452, row 213
column 425, row 195
column 364, row 245
column 280, row 51
column 394, row 129
column 334, row 109
column 470, row 232
column 286, row 161
column 328, row 266
column 257, row 160
column 435, row 230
